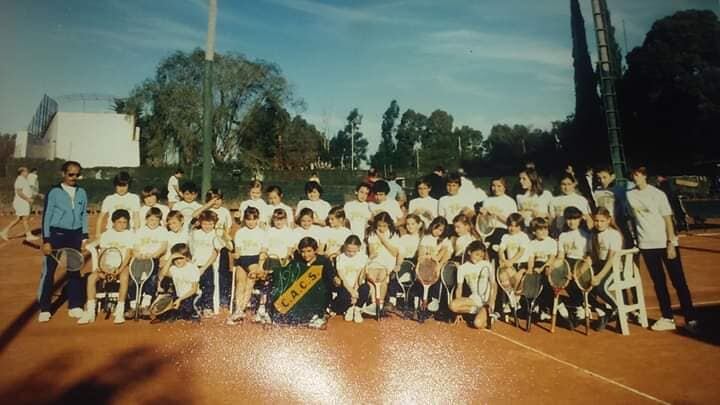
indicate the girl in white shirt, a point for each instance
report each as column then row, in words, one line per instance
column 281, row 240
column 534, row 202
column 150, row 243
column 606, row 243
column 408, row 244
column 383, row 246
column 424, row 206
column 463, row 236
column 476, row 272
column 568, row 198
column 514, row 252
column 319, row 207
column 121, row 199
column 150, row 197
column 573, row 246
column 354, row 292
column 305, row 227
column 337, row 232
column 274, row 196
column 255, row 189
column 251, row 247
column 176, row 232
column 358, row 211
column 204, row 247
column 436, row 242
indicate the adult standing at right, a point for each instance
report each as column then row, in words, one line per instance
column 64, row 225
column 659, row 247
column 173, row 187
column 22, row 205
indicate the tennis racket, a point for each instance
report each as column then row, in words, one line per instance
column 406, row 278
column 427, row 272
column 504, row 280
column 559, row 277
column 605, row 199
column 162, row 304
column 376, row 276
column 582, row 273
column 484, row 225
column 531, row 289
column 484, row 289
column 111, row 259
column 140, row 271
column 187, row 214
column 448, row 278
column 68, row 258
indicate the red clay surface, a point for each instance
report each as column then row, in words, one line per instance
column 393, row 361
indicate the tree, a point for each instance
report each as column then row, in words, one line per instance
column 171, row 104
column 302, row 145
column 671, row 93
column 7, row 150
column 439, row 147
column 341, row 145
column 509, row 148
column 409, row 132
column 588, row 138
column 385, row 156
column 471, row 142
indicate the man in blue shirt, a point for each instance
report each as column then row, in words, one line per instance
column 64, row 225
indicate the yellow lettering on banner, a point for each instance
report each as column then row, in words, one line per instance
column 298, row 289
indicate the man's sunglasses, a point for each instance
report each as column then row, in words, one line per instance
column 73, row 174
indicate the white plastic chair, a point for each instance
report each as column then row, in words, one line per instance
column 626, row 276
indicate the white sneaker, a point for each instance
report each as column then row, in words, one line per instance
column 317, row 322
column 663, row 324
column 30, row 237
column 434, row 305
column 357, row 315
column 76, row 313
column 44, row 317
column 370, row 309
column 236, row 316
column 119, row 317
column 544, row 316
column 350, row 314
column 562, row 310
column 87, row 317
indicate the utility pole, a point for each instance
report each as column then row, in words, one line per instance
column 608, row 77
column 352, row 146
column 207, row 98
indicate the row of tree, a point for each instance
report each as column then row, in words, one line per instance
column 669, row 98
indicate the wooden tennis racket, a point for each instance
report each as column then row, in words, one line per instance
column 428, row 272
column 504, row 280
column 484, row 225
column 559, row 277
column 377, row 275
column 583, row 275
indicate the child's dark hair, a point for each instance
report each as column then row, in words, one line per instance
column 311, row 186
column 304, row 212
column 361, row 185
column 179, row 171
column 383, row 217
column 122, row 179
column 274, row 189
column 207, row 216
column 568, row 176
column 499, row 179
column 436, row 223
column 277, row 214
column 462, row 218
column 474, row 246
column 150, row 191
column 174, row 214
column 604, row 168
column 120, row 214
column 308, row 242
column 188, row 186
column 425, row 181
column 454, row 178
column 515, row 219
column 154, row 212
column 381, row 186
column 595, row 240
column 339, row 213
column 213, row 193
column 604, row 212
column 572, row 213
column 539, row 223
column 251, row 213
column 181, row 248
column 255, row 184
column 536, row 184
column 352, row 240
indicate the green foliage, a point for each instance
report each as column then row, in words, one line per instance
column 385, row 157
column 341, row 145
column 671, row 93
column 7, row 149
column 439, row 147
column 408, row 135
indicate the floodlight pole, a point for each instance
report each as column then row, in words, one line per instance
column 207, row 98
column 608, row 77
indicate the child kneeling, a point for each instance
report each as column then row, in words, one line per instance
column 476, row 273
column 185, row 277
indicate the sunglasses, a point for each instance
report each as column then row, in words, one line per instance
column 73, row 174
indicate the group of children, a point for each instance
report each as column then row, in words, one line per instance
column 207, row 257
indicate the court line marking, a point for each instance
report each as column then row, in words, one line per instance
column 576, row 367
column 695, row 304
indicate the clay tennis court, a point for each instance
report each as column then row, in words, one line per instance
column 392, row 361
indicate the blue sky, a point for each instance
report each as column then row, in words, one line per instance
column 483, row 61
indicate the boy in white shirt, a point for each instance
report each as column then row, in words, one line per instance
column 188, row 206
column 122, row 199
column 185, row 277
column 358, row 211
column 255, row 189
column 319, row 207
column 118, row 237
column 455, row 203
column 424, row 206
column 176, row 232
column 150, row 243
column 383, row 203
column 204, row 247
column 568, row 198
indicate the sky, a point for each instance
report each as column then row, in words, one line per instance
column 483, row 61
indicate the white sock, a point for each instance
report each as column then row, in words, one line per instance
column 120, row 309
column 146, row 301
column 562, row 310
column 90, row 305
column 393, row 300
column 600, row 312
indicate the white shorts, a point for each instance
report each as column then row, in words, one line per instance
column 477, row 300
column 21, row 207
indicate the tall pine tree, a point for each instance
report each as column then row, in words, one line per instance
column 384, row 159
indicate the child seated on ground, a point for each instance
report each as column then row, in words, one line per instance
column 476, row 272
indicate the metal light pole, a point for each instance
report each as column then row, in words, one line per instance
column 608, row 76
column 207, row 98
column 352, row 147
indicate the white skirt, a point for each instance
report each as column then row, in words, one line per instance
column 21, row 207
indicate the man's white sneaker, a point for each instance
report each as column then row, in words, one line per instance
column 87, row 317
column 663, row 324
column 76, row 313
column 350, row 314
column 44, row 317
column 357, row 315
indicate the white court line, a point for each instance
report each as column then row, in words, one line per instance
column 695, row 304
column 551, row 357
